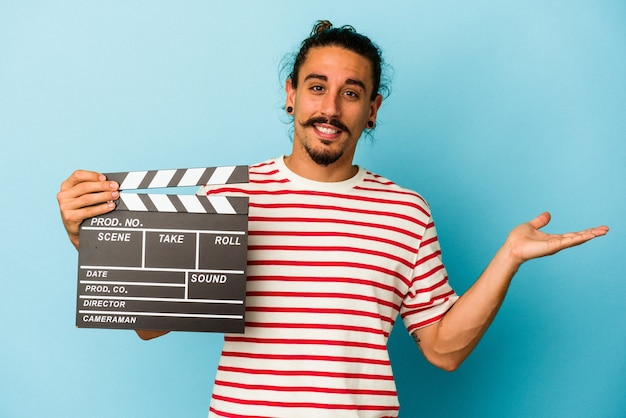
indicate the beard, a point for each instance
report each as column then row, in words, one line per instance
column 324, row 157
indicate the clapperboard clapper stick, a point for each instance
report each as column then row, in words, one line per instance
column 166, row 261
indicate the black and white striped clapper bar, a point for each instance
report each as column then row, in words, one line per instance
column 166, row 261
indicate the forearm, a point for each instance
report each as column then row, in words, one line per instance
column 149, row 334
column 447, row 343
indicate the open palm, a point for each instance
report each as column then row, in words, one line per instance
column 526, row 241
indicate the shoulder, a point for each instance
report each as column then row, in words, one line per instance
column 385, row 188
column 268, row 165
column 261, row 176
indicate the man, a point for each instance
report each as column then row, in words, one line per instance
column 335, row 254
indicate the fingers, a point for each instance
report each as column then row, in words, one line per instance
column 80, row 176
column 82, row 182
column 557, row 242
column 587, row 234
column 86, row 188
column 72, row 218
column 83, row 195
column 599, row 230
column 543, row 219
column 526, row 241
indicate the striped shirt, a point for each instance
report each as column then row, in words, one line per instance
column 330, row 266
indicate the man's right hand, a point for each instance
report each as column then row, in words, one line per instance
column 83, row 195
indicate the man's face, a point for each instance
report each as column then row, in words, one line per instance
column 331, row 104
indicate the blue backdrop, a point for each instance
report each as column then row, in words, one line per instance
column 499, row 110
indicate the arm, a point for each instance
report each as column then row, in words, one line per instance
column 447, row 343
column 83, row 195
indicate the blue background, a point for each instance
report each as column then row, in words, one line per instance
column 499, row 110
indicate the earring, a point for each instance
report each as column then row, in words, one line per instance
column 370, row 124
column 289, row 109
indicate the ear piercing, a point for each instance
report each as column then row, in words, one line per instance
column 289, row 109
column 370, row 124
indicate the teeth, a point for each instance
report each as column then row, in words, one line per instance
column 327, row 131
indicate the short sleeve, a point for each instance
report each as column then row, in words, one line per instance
column 430, row 295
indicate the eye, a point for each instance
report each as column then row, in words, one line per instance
column 351, row 94
column 316, row 88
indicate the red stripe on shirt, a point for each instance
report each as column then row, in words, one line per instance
column 331, row 234
column 304, row 341
column 316, row 373
column 372, row 392
column 329, row 264
column 306, row 404
column 334, row 221
column 323, row 248
column 302, row 357
column 324, row 295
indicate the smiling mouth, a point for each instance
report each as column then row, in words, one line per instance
column 326, row 130
column 326, row 126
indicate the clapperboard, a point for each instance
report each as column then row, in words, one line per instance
column 166, row 261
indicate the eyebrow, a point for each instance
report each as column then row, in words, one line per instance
column 350, row 81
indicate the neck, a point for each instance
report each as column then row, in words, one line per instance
column 305, row 167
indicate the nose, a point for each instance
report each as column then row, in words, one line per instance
column 330, row 105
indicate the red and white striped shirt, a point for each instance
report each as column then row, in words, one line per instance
column 330, row 266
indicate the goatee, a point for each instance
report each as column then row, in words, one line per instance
column 324, row 157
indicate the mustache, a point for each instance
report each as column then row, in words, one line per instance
column 321, row 119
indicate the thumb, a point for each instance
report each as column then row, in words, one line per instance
column 541, row 220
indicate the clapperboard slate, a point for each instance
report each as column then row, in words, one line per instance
column 165, row 261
